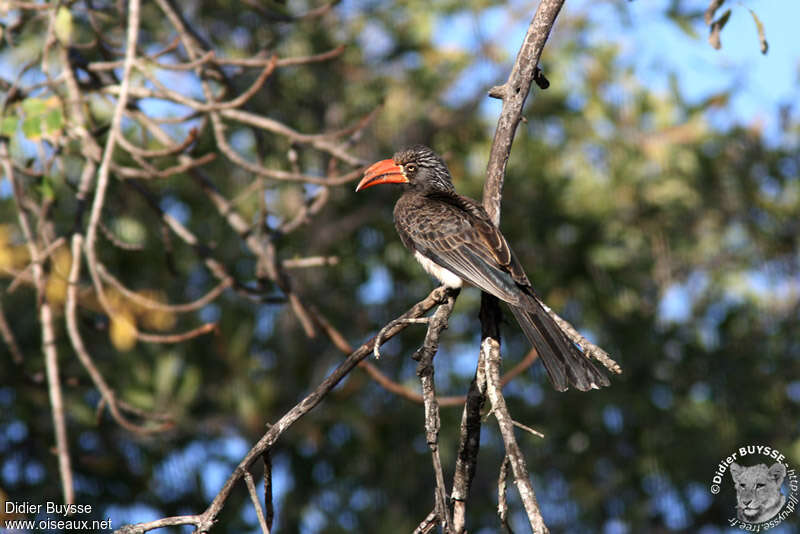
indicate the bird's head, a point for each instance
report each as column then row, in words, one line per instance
column 417, row 166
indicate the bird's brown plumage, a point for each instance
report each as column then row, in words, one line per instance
column 456, row 233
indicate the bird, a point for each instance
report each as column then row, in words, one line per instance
column 455, row 241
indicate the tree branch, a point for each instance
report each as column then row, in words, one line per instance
column 425, row 372
column 491, row 354
column 513, row 93
column 203, row 522
column 468, row 447
column 48, row 334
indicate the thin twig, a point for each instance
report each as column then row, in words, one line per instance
column 178, row 337
column 267, row 458
column 313, row 261
column 43, row 255
column 381, row 337
column 71, row 311
column 468, row 447
column 589, row 348
column 161, row 152
column 251, row 488
column 527, row 429
column 428, row 524
column 502, row 485
column 103, row 172
column 491, row 349
column 8, row 337
column 154, row 304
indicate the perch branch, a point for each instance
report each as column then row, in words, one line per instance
column 425, row 372
column 513, row 93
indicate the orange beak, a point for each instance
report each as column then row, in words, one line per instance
column 383, row 172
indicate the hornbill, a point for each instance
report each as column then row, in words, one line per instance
column 454, row 239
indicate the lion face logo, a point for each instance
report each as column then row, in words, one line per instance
column 758, row 491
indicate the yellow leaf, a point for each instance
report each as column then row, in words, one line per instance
column 155, row 319
column 63, row 26
column 56, row 290
column 60, row 263
column 123, row 331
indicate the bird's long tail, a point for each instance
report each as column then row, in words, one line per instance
column 566, row 365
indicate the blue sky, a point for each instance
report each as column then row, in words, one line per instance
column 657, row 48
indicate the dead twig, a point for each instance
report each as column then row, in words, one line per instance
column 491, row 349
column 468, row 447
column 425, row 372
column 251, row 489
column 381, row 336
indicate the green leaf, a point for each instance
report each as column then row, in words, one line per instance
column 46, row 188
column 34, row 106
column 8, row 127
column 32, row 127
column 53, row 121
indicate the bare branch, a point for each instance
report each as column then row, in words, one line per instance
column 251, row 488
column 105, row 166
column 313, row 261
column 468, row 447
column 154, row 304
column 425, row 372
column 204, row 521
column 428, row 524
column 527, row 429
column 514, row 93
column 8, row 337
column 589, row 348
column 71, row 312
column 48, row 334
column 177, row 338
column 267, row 457
column 491, row 354
column 381, row 337
column 167, row 151
column 502, row 504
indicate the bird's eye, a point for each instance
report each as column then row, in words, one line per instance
column 411, row 167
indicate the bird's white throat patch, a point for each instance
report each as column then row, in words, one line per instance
column 448, row 278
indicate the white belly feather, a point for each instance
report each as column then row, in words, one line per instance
column 448, row 278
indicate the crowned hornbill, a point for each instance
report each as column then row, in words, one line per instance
column 455, row 240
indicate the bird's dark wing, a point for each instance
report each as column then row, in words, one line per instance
column 456, row 233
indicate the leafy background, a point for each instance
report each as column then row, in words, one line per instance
column 652, row 195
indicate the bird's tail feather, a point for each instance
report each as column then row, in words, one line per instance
column 565, row 364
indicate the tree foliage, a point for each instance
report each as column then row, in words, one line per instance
column 673, row 243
